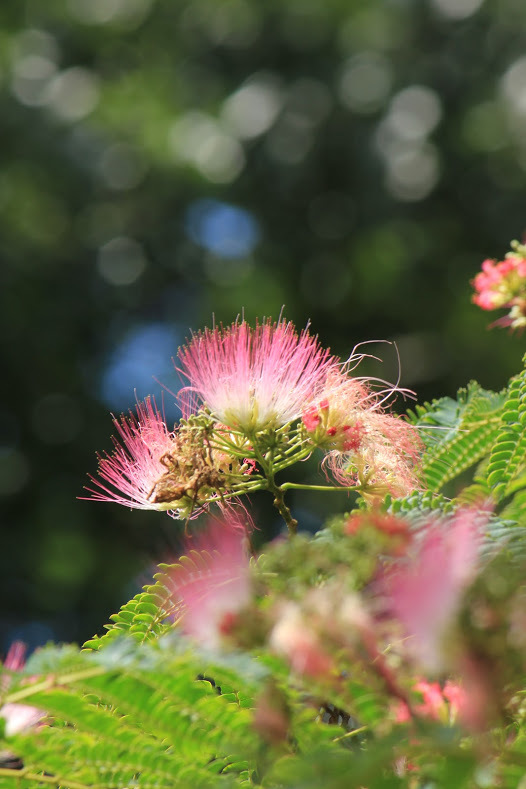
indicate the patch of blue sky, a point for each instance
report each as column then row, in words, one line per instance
column 141, row 365
column 226, row 230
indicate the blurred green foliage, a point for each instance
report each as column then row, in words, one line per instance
column 354, row 161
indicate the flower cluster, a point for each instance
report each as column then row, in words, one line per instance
column 395, row 629
column 257, row 401
column 412, row 603
column 401, row 625
column 502, row 284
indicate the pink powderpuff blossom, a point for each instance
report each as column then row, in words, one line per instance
column 253, row 379
column 211, row 583
column 129, row 475
column 365, row 445
column 425, row 594
column 498, row 281
column 381, row 454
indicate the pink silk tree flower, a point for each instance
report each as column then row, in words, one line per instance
column 253, row 379
column 425, row 594
column 129, row 475
column 380, row 453
column 365, row 444
column 211, row 583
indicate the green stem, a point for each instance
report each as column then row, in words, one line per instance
column 294, row 445
column 331, row 488
column 303, row 454
column 284, row 511
column 53, row 682
column 38, row 778
column 234, row 494
column 225, row 445
column 352, row 733
column 268, row 470
column 250, row 480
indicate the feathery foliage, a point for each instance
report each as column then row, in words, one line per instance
column 507, row 462
column 457, row 434
column 136, row 713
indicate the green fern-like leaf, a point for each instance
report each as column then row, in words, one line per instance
column 457, row 434
column 443, row 413
column 152, row 612
column 507, row 459
column 516, row 507
column 508, row 537
column 503, row 532
column 145, row 617
column 135, row 714
column 420, row 504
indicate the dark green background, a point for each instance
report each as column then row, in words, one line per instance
column 165, row 160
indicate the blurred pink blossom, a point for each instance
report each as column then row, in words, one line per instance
column 254, row 379
column 425, row 593
column 457, row 697
column 211, row 582
column 438, row 703
column 17, row 717
column 433, row 702
column 299, row 644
